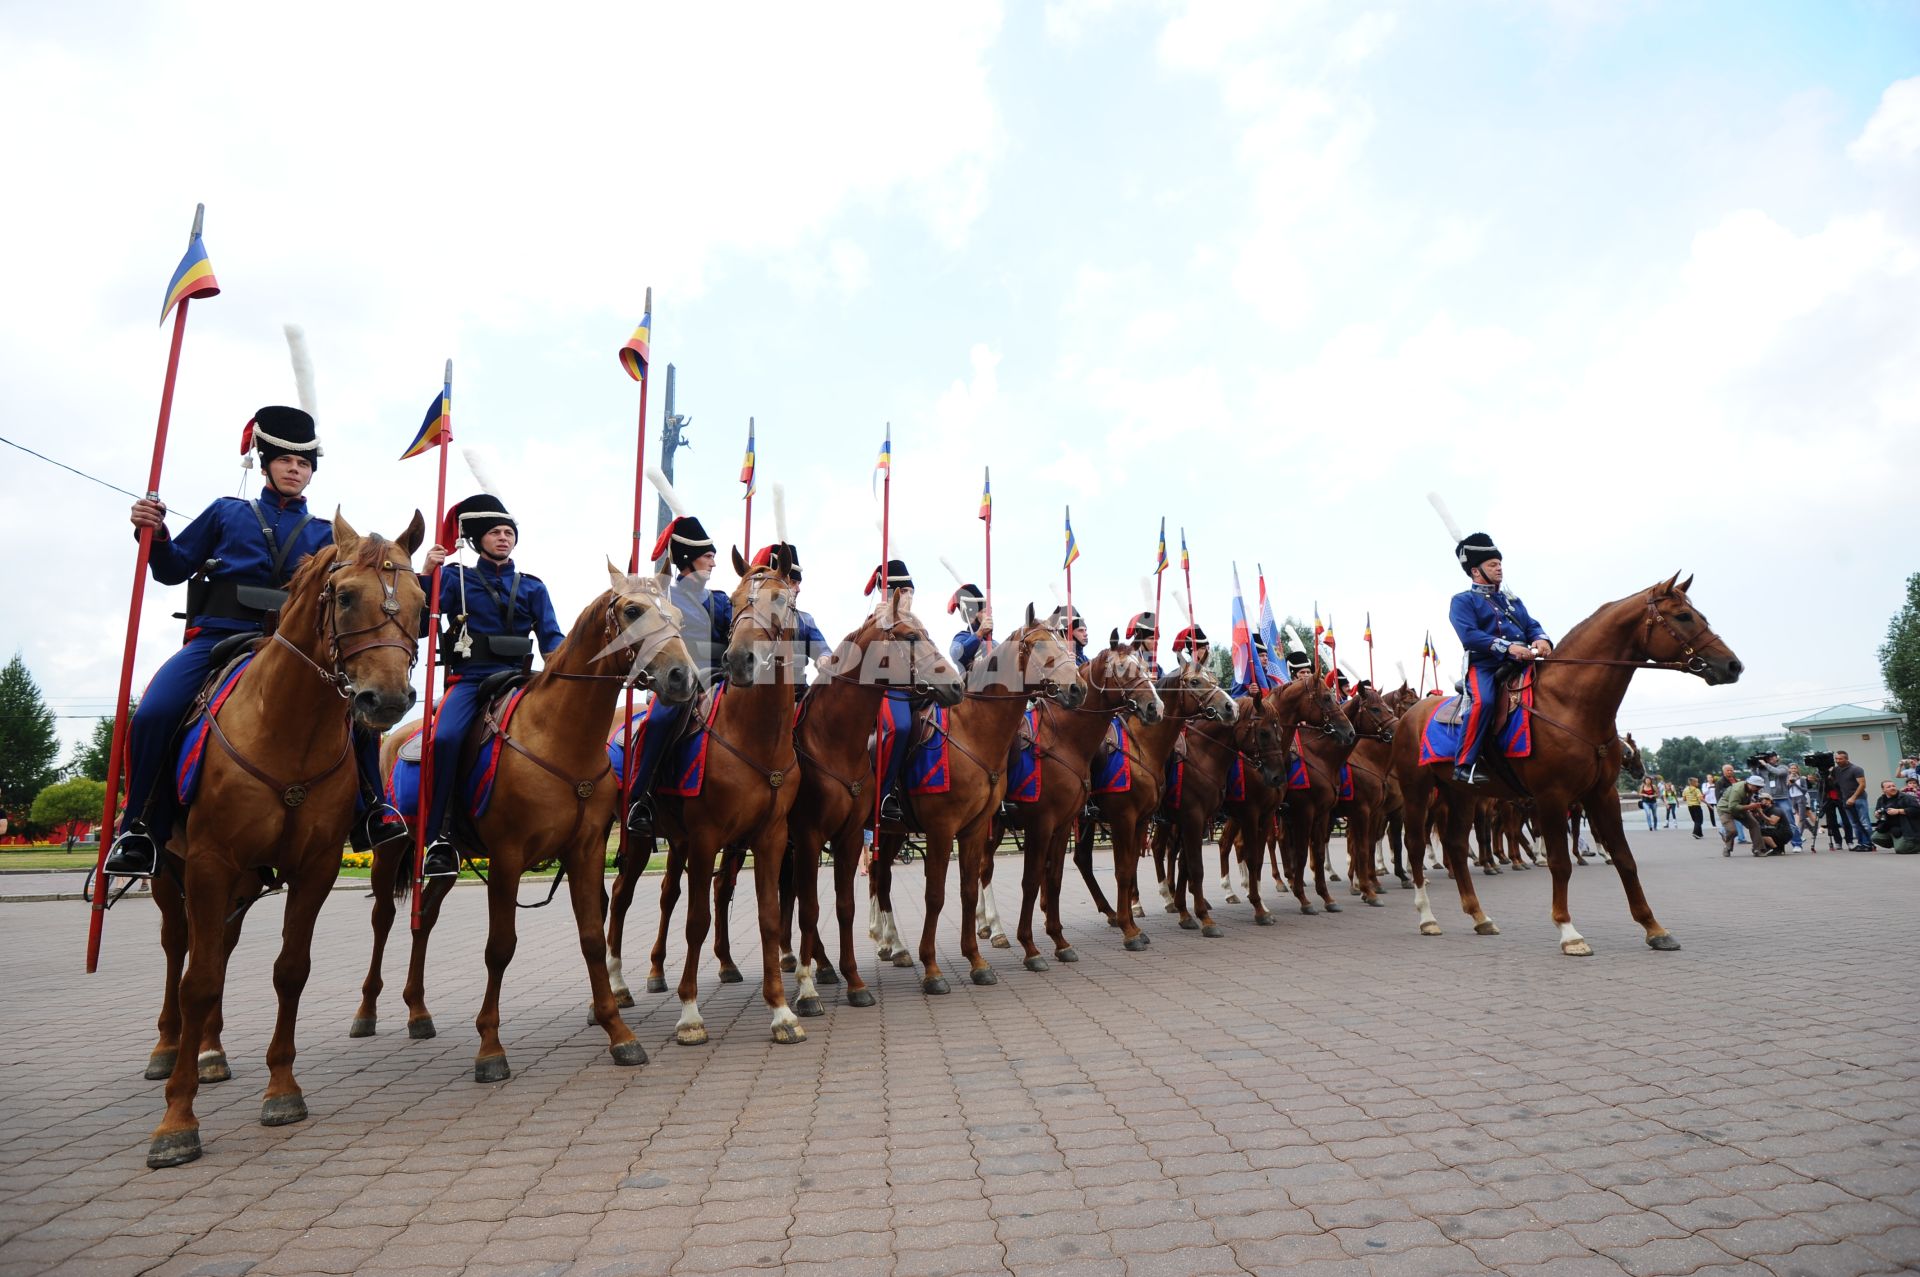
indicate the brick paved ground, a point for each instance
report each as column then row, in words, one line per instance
column 1331, row 1095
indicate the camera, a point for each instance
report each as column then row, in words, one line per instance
column 1755, row 761
column 1819, row 762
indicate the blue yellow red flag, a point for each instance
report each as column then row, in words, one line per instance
column 986, row 497
column 747, row 463
column 884, row 465
column 192, row 278
column 638, row 350
column 1073, row 547
column 437, row 429
column 1160, row 556
column 1186, row 564
column 1367, row 636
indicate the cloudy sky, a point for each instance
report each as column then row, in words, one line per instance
column 1633, row 285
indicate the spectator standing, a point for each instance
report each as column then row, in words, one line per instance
column 1671, row 797
column 1896, row 819
column 1710, row 794
column 1738, row 802
column 1695, row 801
column 1850, row 783
column 1778, row 780
column 1650, row 802
column 1797, row 790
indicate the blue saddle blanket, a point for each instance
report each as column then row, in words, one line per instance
column 1114, row 775
column 1440, row 742
column 193, row 745
column 929, row 769
column 1023, row 766
column 476, row 787
column 683, row 772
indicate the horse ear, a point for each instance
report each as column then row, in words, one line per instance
column 616, row 578
column 345, row 540
column 664, row 580
column 1113, row 639
column 739, row 564
column 1668, row 587
column 416, row 533
column 1686, row 586
column 1031, row 618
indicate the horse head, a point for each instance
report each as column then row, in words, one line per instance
column 893, row 649
column 1045, row 661
column 1678, row 632
column 1192, row 692
column 636, row 616
column 1259, row 739
column 1369, row 712
column 763, row 610
column 368, row 607
column 1316, row 708
column 1118, row 681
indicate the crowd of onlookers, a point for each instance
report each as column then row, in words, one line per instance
column 1775, row 808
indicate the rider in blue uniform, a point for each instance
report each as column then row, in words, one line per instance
column 809, row 644
column 706, row 625
column 1191, row 647
column 1076, row 633
column 899, row 700
column 1143, row 636
column 976, row 640
column 1494, row 628
column 494, row 611
column 235, row 559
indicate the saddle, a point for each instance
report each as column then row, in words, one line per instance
column 1510, row 683
column 494, row 689
column 923, row 727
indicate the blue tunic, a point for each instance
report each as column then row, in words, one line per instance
column 1487, row 621
column 810, row 642
column 706, row 622
column 228, row 532
column 966, row 647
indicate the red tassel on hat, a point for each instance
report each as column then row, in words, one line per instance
column 246, row 445
column 666, row 536
column 873, row 582
column 953, row 604
column 450, row 530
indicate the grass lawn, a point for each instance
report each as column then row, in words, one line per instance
column 54, row 857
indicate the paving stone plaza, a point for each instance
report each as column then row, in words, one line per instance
column 1334, row 1095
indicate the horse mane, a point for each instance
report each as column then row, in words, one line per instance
column 1579, row 631
column 576, row 633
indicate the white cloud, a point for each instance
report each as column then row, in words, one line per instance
column 1892, row 136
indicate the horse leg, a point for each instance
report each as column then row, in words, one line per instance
column 1396, row 831
column 769, row 849
column 1189, row 842
column 211, row 894
column 1459, row 828
column 173, row 943
column 1252, row 853
column 880, row 889
column 1413, row 821
column 846, row 867
column 625, row 879
column 1033, row 871
column 1360, row 856
column 386, row 872
column 990, row 927
column 583, row 869
column 724, row 881
column 1319, row 840
column 1226, row 866
column 212, row 1060
column 973, row 850
column 284, row 1104
column 1050, row 897
column 692, row 1029
column 490, row 1061
column 1296, row 838
column 1604, row 819
column 669, row 897
column 419, row 1019
column 1560, row 866
column 939, row 851
column 1126, row 879
column 1083, row 861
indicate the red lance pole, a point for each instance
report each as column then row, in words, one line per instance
column 427, row 706
column 1369, row 633
column 1186, row 570
column 633, row 567
column 986, row 482
column 117, row 755
column 886, row 593
column 1159, row 575
column 746, row 547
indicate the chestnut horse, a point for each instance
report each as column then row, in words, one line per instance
column 1065, row 741
column 750, row 783
column 1306, row 819
column 1032, row 661
column 554, row 797
column 1576, row 750
column 834, row 740
column 275, row 802
column 1254, row 741
column 1373, row 719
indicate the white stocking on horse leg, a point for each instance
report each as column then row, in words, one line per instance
column 1572, row 943
column 691, row 1030
column 1429, row 925
column 989, row 912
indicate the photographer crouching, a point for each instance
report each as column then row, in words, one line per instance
column 1896, row 819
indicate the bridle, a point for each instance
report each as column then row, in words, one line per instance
column 1693, row 664
column 643, row 634
column 1023, row 641
column 1384, row 721
column 1130, row 704
column 326, row 622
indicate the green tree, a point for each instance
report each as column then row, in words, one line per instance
column 90, row 760
column 29, row 745
column 69, row 800
column 1900, row 661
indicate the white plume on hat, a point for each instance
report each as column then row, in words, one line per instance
column 302, row 369
column 664, row 486
column 952, row 571
column 1186, row 610
column 779, row 514
column 477, row 467
column 1446, row 517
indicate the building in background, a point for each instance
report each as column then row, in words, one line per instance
column 1871, row 738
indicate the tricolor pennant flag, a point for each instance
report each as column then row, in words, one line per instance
column 1186, row 564
column 1160, row 557
column 437, row 429
column 638, row 350
column 986, row 497
column 747, row 463
column 1073, row 547
column 1367, row 635
column 884, row 466
column 192, row 278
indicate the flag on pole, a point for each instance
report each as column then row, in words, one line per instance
column 1318, row 629
column 1160, row 557
column 1186, row 564
column 884, row 466
column 1270, row 635
column 635, row 354
column 1328, row 640
column 192, row 278
column 1073, row 547
column 746, row 464
column 1367, row 636
column 1247, row 672
column 986, row 498
column 436, row 430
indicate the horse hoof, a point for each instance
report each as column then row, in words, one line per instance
column 283, row 1110
column 1171, row 908
column 862, row 997
column 789, row 964
column 422, row 1029
column 160, row 1065
column 1576, row 949
column 656, row 984
column 629, row 1053
column 174, row 1149
column 1429, row 928
column 1211, row 930
column 1332, row 907
column 1485, row 928
column 808, row 1007
column 901, row 958
column 1068, row 954
column 1001, row 942
column 984, row 976
column 1135, row 944
column 691, row 1035
column 1374, row 901
column 362, row 1026
column 1139, row 911
column 1664, row 942
column 491, row 1068
column 934, row 984
column 1263, row 920
column 1308, row 909
column 826, row 975
column 624, row 998
column 1232, row 899
column 214, row 1067
column 1036, row 963
column 983, row 932
column 1188, row 924
column 730, row 975
column 784, row 1034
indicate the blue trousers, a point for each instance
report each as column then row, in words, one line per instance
column 1473, row 729
column 157, row 722
column 899, row 711
column 453, row 718
column 663, row 725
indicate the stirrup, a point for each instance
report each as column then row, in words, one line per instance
column 382, row 823
column 890, row 809
column 1468, row 775
column 640, row 817
column 441, row 861
column 133, row 854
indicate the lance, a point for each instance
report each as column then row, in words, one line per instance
column 634, row 357
column 1159, row 575
column 1368, row 635
column 746, row 477
column 886, row 595
column 1186, row 570
column 117, row 754
column 986, row 517
column 1071, row 555
column 428, row 711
